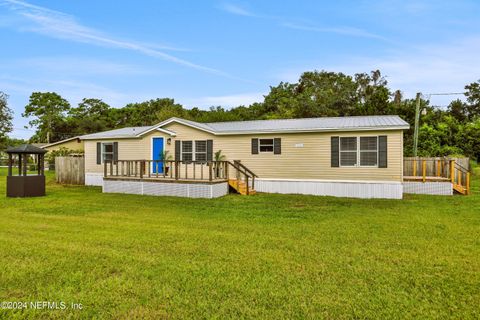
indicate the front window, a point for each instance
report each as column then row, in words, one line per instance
column 359, row 151
column 368, row 151
column 201, row 150
column 348, row 151
column 187, row 150
column 107, row 151
column 265, row 145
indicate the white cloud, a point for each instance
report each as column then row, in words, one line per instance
column 287, row 23
column 228, row 101
column 73, row 65
column 346, row 31
column 63, row 26
column 235, row 9
column 434, row 68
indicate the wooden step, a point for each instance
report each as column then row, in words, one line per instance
column 459, row 189
column 240, row 187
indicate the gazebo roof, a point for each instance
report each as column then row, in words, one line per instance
column 26, row 148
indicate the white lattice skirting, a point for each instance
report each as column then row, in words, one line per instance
column 434, row 188
column 188, row 190
column 351, row 189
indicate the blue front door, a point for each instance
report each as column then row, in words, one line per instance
column 157, row 150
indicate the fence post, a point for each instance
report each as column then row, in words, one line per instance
column 452, row 171
column 176, row 169
column 468, row 183
column 415, row 167
column 210, row 169
column 142, row 165
column 424, row 170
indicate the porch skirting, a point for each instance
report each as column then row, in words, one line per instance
column 157, row 188
column 433, row 188
column 350, row 189
column 93, row 179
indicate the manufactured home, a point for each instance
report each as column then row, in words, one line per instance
column 74, row 143
column 336, row 156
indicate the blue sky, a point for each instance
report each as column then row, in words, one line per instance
column 204, row 53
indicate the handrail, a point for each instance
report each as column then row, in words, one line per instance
column 171, row 169
column 237, row 166
column 461, row 167
column 245, row 168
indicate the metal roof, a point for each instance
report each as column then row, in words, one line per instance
column 26, row 148
column 356, row 123
column 310, row 124
column 130, row 132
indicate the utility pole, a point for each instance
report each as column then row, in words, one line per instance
column 417, row 120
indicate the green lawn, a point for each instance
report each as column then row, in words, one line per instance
column 264, row 256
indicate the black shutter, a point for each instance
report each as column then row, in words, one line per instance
column 335, row 157
column 115, row 151
column 209, row 150
column 99, row 153
column 277, row 146
column 177, row 150
column 382, row 151
column 254, row 146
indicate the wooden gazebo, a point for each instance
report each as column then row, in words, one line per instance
column 23, row 184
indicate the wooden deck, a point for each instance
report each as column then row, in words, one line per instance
column 425, row 179
column 238, row 176
column 437, row 170
column 161, row 179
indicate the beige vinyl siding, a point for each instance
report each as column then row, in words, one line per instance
column 312, row 161
column 72, row 145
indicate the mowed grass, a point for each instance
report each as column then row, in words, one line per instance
column 264, row 256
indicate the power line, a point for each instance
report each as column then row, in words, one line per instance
column 446, row 94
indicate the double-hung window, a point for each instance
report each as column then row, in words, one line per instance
column 107, row 151
column 200, row 150
column 265, row 145
column 368, row 151
column 187, row 150
column 359, row 151
column 348, row 151
column 194, row 150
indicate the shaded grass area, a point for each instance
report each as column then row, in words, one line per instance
column 263, row 256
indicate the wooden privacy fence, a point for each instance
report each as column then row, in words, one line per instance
column 70, row 170
column 455, row 170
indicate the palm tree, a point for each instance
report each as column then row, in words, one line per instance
column 218, row 157
column 165, row 156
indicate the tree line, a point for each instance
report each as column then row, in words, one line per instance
column 454, row 130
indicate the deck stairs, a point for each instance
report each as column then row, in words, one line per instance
column 438, row 170
column 241, row 187
column 242, row 179
column 460, row 189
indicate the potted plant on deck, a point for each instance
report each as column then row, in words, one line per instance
column 165, row 156
column 218, row 157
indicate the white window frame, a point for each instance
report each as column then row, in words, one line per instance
column 191, row 152
column 358, row 152
column 194, row 150
column 202, row 152
column 351, row 151
column 260, row 144
column 105, row 153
